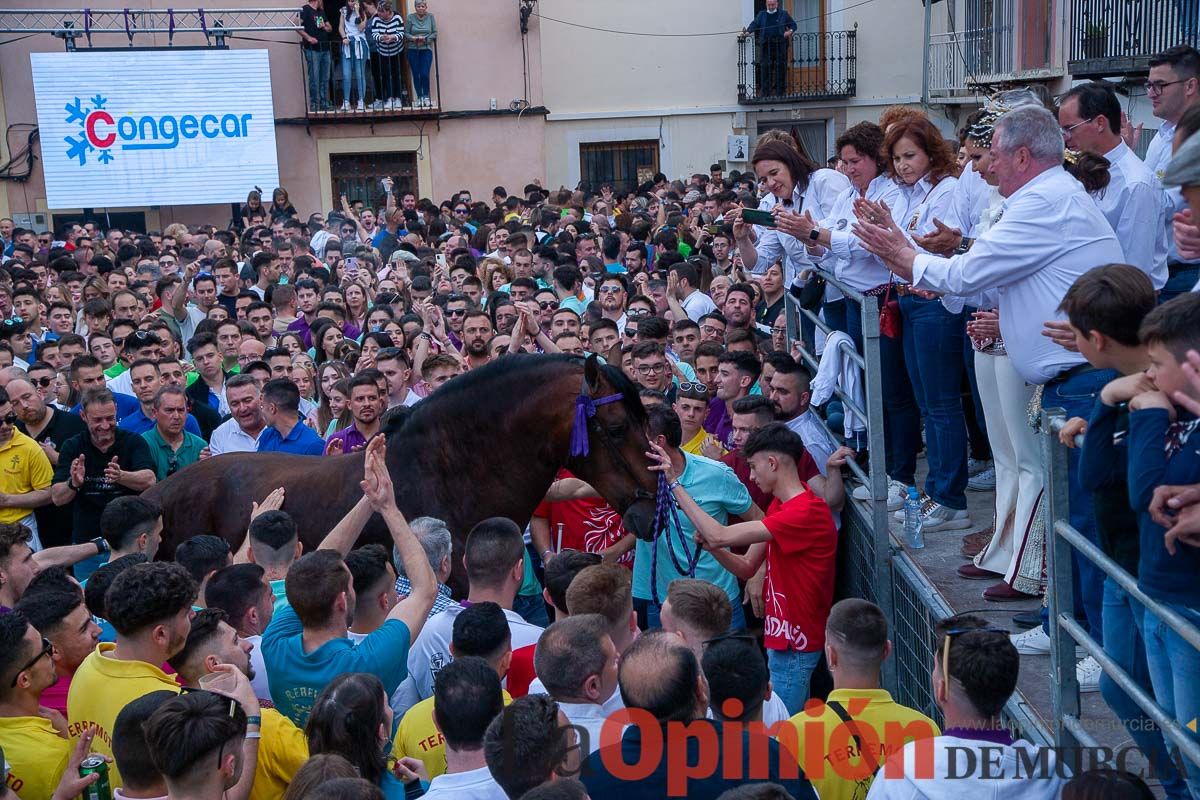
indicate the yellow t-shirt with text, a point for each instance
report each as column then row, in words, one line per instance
column 830, row 758
column 36, row 755
column 101, row 687
column 24, row 468
column 418, row 737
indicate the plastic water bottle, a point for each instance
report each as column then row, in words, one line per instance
column 912, row 520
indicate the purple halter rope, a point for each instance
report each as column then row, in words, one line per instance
column 666, row 510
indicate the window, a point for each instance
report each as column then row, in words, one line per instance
column 622, row 164
column 813, row 135
column 359, row 176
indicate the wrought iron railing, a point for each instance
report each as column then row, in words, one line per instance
column 389, row 87
column 809, row 66
column 1118, row 37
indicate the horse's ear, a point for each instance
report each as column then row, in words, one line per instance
column 591, row 372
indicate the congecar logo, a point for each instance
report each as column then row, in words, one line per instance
column 102, row 132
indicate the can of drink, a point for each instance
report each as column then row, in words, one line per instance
column 101, row 789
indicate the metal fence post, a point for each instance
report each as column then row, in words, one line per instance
column 1064, row 689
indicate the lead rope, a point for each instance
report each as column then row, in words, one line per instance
column 666, row 512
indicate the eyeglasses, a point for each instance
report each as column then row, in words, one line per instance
column 651, row 369
column 461, row 210
column 45, row 651
column 42, row 382
column 637, row 312
column 547, row 305
column 1156, row 87
column 456, row 312
column 610, row 289
column 9, row 419
column 955, row 632
column 172, row 463
column 699, row 388
column 712, row 330
column 1067, row 129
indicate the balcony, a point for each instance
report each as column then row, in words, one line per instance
column 389, row 82
column 816, row 66
column 1002, row 41
column 1117, row 37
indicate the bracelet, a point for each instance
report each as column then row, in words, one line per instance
column 547, row 550
column 253, row 735
column 673, row 485
column 254, row 720
column 72, row 486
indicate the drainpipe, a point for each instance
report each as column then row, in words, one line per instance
column 925, row 53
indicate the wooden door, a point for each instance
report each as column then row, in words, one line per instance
column 807, row 73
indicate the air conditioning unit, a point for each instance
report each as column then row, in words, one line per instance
column 37, row 221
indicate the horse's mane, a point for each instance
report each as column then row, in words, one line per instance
column 472, row 392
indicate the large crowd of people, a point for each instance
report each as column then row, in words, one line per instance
column 1012, row 275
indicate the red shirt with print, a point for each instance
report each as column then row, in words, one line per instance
column 806, row 469
column 801, row 561
column 590, row 525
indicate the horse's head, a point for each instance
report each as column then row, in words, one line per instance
column 610, row 453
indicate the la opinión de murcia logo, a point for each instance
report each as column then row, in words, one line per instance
column 102, row 132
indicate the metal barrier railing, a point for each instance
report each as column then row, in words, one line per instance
column 1065, row 631
column 873, row 563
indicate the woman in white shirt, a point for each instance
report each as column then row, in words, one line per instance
column 924, row 165
column 839, row 251
column 355, row 52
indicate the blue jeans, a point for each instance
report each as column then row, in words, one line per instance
column 1184, row 278
column 933, row 356
column 653, row 621
column 791, row 675
column 419, row 61
column 318, row 65
column 1175, row 673
column 1077, row 396
column 532, row 609
column 1123, row 644
column 901, row 423
column 356, row 67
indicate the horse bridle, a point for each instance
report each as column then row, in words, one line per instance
column 585, row 414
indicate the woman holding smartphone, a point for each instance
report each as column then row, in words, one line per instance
column 355, row 52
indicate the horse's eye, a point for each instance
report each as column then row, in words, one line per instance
column 617, row 431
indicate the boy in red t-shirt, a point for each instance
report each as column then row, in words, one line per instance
column 798, row 540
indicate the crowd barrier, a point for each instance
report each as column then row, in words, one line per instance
column 1069, row 729
column 872, row 564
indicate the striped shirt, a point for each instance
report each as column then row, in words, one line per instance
column 393, row 27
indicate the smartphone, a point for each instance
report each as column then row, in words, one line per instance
column 711, row 230
column 352, row 266
column 441, row 260
column 756, row 217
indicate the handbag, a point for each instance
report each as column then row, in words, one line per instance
column 812, row 294
column 889, row 315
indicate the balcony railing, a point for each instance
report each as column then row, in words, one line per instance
column 813, row 66
column 1009, row 42
column 1118, row 37
column 389, row 86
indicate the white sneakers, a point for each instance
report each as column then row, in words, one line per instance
column 897, row 491
column 360, row 106
column 938, row 517
column 345, row 105
column 983, row 481
column 1087, row 673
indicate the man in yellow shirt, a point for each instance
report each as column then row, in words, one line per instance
column 150, row 606
column 25, row 472
column 480, row 630
column 827, row 746
column 691, row 404
column 283, row 749
column 36, row 750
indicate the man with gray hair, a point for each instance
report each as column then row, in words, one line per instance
column 435, row 537
column 577, row 663
column 1049, row 234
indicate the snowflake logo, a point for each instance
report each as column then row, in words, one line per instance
column 88, row 115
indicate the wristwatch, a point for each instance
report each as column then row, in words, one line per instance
column 101, row 545
column 814, row 234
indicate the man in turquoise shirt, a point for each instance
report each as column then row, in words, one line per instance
column 171, row 447
column 305, row 646
column 718, row 491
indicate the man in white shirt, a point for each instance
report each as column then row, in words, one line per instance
column 684, row 295
column 467, row 698
column 397, row 369
column 1050, row 233
column 494, row 556
column 1173, row 87
column 240, row 433
column 1090, row 116
column 790, row 393
column 576, row 661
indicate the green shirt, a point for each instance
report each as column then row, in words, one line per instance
column 168, row 461
column 115, row 370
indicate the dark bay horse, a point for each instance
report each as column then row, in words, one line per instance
column 486, row 444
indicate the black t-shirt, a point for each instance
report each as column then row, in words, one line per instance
column 312, row 20
column 132, row 454
column 1116, row 521
column 54, row 522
